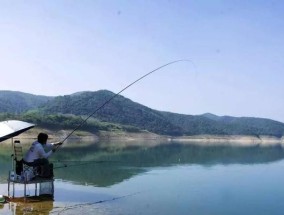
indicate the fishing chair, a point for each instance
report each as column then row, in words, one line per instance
column 19, row 165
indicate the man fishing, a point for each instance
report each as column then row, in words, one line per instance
column 37, row 157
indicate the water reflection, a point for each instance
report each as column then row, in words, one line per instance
column 103, row 166
column 36, row 206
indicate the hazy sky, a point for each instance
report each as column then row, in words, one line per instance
column 60, row 47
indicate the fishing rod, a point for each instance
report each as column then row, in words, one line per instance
column 106, row 102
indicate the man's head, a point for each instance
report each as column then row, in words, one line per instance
column 42, row 138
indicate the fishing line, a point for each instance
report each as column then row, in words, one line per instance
column 84, row 163
column 94, row 161
column 93, row 203
column 106, row 102
column 79, row 163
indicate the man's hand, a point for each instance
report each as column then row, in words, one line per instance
column 58, row 143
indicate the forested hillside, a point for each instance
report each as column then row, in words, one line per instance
column 18, row 102
column 225, row 125
column 123, row 114
column 120, row 110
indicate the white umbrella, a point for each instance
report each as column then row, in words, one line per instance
column 12, row 128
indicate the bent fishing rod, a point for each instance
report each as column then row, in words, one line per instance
column 106, row 102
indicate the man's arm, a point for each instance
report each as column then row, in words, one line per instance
column 53, row 146
column 41, row 152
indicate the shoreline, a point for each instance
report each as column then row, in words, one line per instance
column 231, row 140
column 148, row 138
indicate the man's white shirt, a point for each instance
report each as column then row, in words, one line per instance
column 36, row 151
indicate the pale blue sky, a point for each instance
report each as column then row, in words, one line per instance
column 59, row 47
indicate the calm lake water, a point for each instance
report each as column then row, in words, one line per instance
column 164, row 179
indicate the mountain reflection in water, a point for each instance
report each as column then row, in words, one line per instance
column 103, row 166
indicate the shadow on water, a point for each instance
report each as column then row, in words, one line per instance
column 103, row 166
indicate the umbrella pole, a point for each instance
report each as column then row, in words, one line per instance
column 12, row 155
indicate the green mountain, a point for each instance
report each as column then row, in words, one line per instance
column 122, row 113
column 18, row 102
column 225, row 125
column 120, row 110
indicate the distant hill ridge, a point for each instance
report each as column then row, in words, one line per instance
column 123, row 111
column 19, row 102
